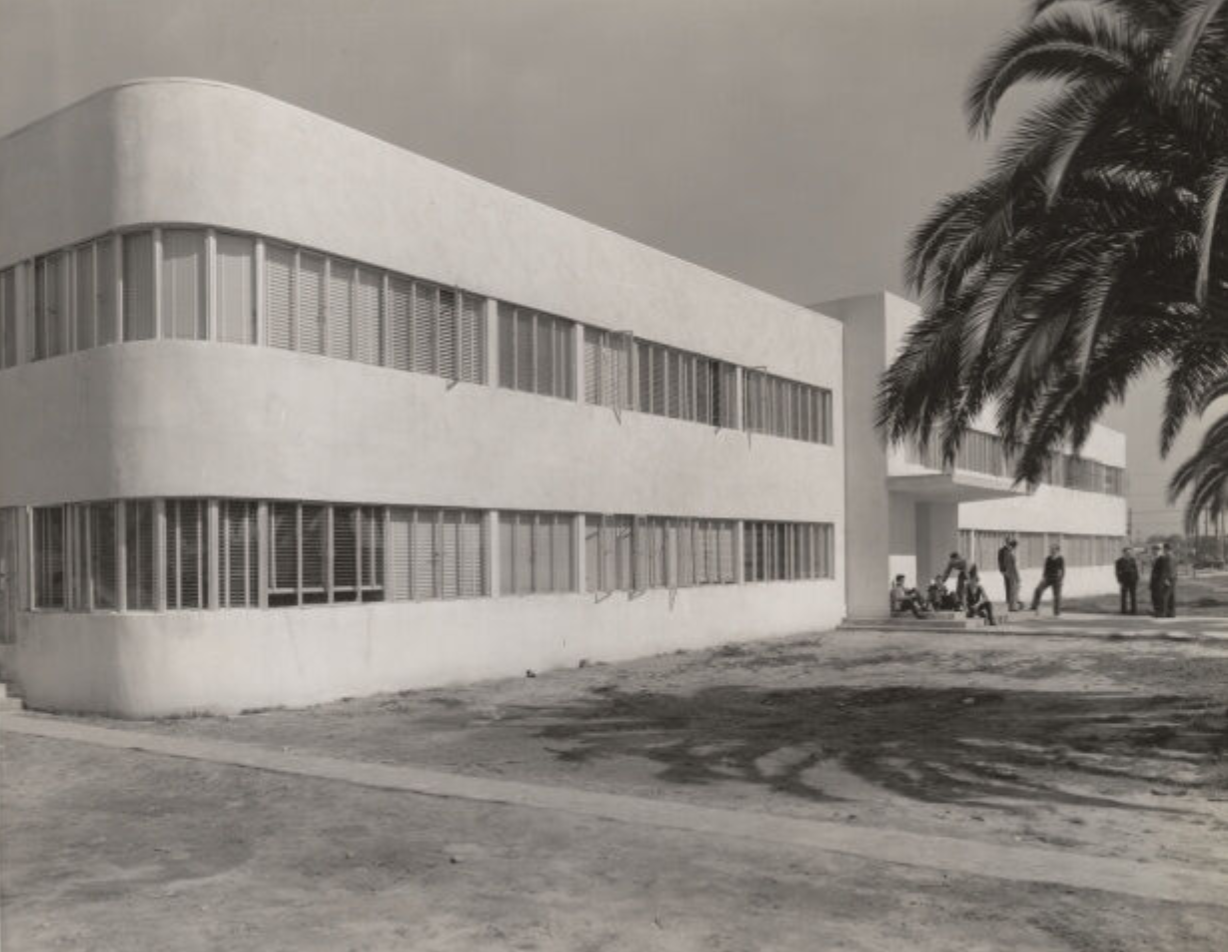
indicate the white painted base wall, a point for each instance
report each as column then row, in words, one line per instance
column 146, row 665
column 1080, row 581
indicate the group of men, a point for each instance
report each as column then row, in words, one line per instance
column 970, row 596
column 1163, row 582
column 1052, row 575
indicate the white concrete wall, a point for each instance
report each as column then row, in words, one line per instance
column 867, row 515
column 144, row 664
column 165, row 418
column 889, row 533
column 1049, row 509
column 199, row 152
column 902, row 549
column 1080, row 580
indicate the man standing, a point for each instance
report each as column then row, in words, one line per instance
column 1127, row 579
column 959, row 565
column 1009, row 567
column 1052, row 576
column 1164, row 583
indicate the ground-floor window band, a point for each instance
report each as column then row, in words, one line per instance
column 1079, row 550
column 198, row 553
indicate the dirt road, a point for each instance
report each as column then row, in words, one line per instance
column 1088, row 748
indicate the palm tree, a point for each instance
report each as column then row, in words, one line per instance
column 1092, row 249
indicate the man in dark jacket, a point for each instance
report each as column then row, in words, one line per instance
column 1164, row 583
column 959, row 565
column 1127, row 578
column 1008, row 565
column 1052, row 576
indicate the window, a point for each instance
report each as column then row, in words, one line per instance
column 8, row 318
column 187, row 554
column 371, row 553
column 317, row 553
column 436, row 553
column 651, row 552
column 183, row 284
column 105, row 300
column 787, row 551
column 608, row 553
column 431, row 329
column 340, row 309
column 535, row 553
column 52, row 284
column 428, row 333
column 104, row 556
column 682, row 385
column 237, row 553
column 786, row 408
column 85, row 298
column 234, row 289
column 704, row 550
column 1087, row 475
column 75, row 557
column 354, row 327
column 368, row 327
column 309, row 321
column 279, row 295
column 297, row 554
column 983, row 453
column 139, row 554
column 138, row 286
column 345, row 554
column 607, row 368
column 49, row 562
column 313, row 554
column 472, row 359
column 535, row 352
column 283, row 554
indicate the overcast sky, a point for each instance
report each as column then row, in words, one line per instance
column 791, row 144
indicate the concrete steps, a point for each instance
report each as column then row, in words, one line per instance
column 935, row 621
column 10, row 698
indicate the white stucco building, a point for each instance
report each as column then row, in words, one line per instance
column 288, row 413
column 907, row 512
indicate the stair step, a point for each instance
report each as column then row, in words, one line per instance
column 11, row 704
column 911, row 624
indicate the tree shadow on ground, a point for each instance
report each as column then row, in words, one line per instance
column 929, row 744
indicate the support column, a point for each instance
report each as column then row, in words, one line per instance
column 259, row 292
column 117, row 285
column 739, row 382
column 160, row 555
column 211, row 533
column 262, row 554
column 490, row 352
column 579, row 532
column 23, row 301
column 739, row 547
column 492, row 553
column 158, row 331
column 25, row 555
column 121, row 558
column 386, row 529
column 385, row 338
column 577, row 356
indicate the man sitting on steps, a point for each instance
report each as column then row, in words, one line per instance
column 906, row 599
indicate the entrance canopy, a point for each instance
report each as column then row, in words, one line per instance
column 958, row 486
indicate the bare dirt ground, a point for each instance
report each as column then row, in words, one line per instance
column 1082, row 746
column 1204, row 595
